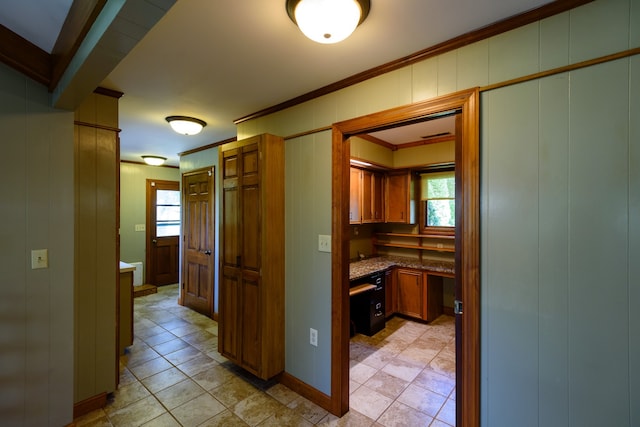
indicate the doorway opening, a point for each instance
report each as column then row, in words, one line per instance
column 466, row 243
column 162, row 232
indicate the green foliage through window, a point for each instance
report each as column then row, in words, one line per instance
column 438, row 193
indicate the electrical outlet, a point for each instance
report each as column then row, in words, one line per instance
column 324, row 243
column 313, row 337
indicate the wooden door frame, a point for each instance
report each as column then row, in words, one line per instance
column 149, row 225
column 467, row 246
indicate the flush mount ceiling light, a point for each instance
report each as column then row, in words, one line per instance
column 186, row 125
column 328, row 21
column 154, row 160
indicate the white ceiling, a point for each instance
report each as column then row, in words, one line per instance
column 221, row 60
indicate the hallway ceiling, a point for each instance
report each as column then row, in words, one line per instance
column 223, row 60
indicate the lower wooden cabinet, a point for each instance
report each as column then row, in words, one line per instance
column 410, row 291
column 390, row 292
column 418, row 294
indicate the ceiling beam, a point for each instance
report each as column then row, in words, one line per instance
column 24, row 56
column 81, row 16
column 119, row 26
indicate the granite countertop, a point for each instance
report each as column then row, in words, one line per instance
column 368, row 266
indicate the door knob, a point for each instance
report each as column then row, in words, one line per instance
column 207, row 252
column 154, row 241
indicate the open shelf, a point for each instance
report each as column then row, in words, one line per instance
column 417, row 242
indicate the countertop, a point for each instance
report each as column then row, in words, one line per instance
column 368, row 266
column 124, row 267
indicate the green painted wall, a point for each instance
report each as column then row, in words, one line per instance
column 133, row 200
column 37, row 211
column 560, row 334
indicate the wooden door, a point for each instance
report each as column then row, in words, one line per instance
column 410, row 293
column 163, row 231
column 197, row 255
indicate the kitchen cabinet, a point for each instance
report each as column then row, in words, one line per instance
column 410, row 293
column 419, row 294
column 355, row 196
column 251, row 305
column 390, row 292
column 400, row 203
column 366, row 196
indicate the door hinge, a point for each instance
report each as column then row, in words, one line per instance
column 457, row 307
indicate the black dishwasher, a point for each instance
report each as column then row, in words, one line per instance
column 367, row 304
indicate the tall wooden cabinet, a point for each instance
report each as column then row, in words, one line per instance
column 400, row 207
column 251, row 306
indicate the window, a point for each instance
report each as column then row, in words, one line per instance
column 167, row 213
column 438, row 194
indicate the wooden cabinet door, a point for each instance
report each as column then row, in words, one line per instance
column 366, row 196
column 390, row 292
column 229, row 320
column 410, row 293
column 398, row 206
column 377, row 197
column 355, row 195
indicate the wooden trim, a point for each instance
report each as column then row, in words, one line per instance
column 81, row 16
column 483, row 33
column 378, row 141
column 308, row 132
column 564, row 69
column 305, row 390
column 206, row 147
column 91, row 404
column 108, row 92
column 467, row 245
column 96, row 126
column 427, row 141
column 22, row 55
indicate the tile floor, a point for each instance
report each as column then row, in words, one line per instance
column 173, row 376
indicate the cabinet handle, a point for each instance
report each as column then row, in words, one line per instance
column 238, row 259
column 207, row 252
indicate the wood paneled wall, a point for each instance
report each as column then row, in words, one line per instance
column 96, row 259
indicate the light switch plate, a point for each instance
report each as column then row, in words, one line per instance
column 139, row 227
column 324, row 243
column 39, row 258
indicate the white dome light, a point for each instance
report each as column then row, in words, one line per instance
column 327, row 21
column 186, row 125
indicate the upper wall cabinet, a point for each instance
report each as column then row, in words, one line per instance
column 366, row 196
column 400, row 206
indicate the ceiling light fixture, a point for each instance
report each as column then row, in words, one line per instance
column 186, row 125
column 154, row 160
column 328, row 21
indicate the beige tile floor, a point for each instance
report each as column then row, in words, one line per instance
column 173, row 376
